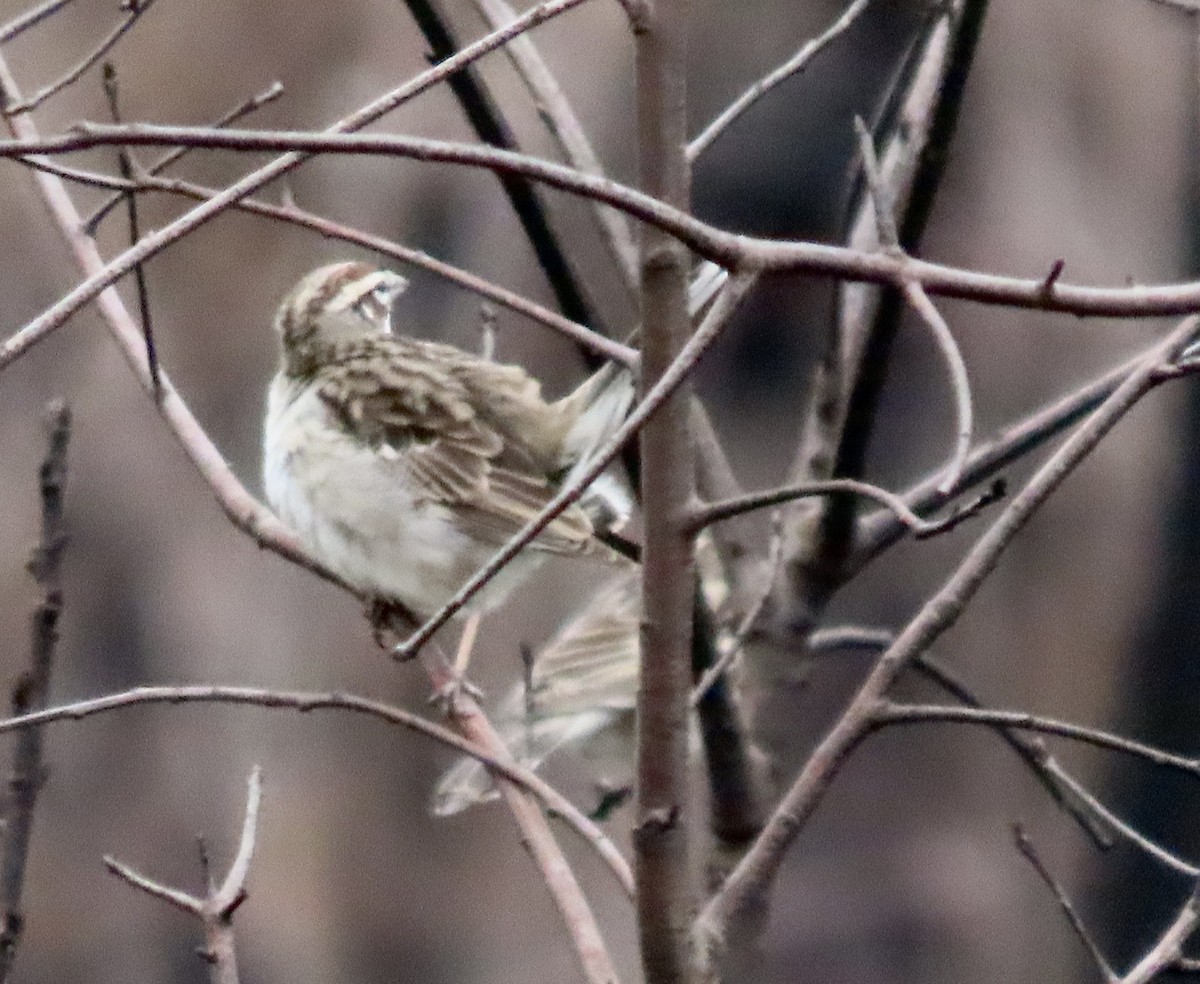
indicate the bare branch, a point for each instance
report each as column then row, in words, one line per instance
column 32, row 688
column 889, row 714
column 233, row 888
column 307, row 702
column 714, row 513
column 23, row 22
column 134, row 9
column 727, row 249
column 172, row 896
column 125, row 166
column 914, row 293
column 1025, row 846
column 216, row 909
column 243, row 109
column 793, row 66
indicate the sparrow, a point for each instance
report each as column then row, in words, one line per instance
column 404, row 465
column 579, row 688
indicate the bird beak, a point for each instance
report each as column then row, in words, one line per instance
column 393, row 283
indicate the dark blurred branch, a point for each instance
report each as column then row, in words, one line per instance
column 569, row 134
column 29, row 693
column 855, row 359
column 492, row 128
column 134, row 9
column 125, row 166
column 215, row 911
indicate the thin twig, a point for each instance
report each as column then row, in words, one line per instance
column 306, row 702
column 243, row 109
column 125, row 166
column 915, row 294
column 960, row 385
column 714, row 323
column 1029, row 852
column 793, row 66
column 889, row 714
column 134, row 9
column 216, row 909
column 23, row 22
column 716, row 512
column 31, row 690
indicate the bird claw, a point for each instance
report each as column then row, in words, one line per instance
column 447, row 697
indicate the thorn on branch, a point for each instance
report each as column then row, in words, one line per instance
column 1056, row 269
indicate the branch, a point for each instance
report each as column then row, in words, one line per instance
column 724, row 248
column 23, row 22
column 662, row 830
column 793, row 66
column 30, row 691
column 708, row 513
column 133, row 12
column 888, row 714
column 216, row 909
column 1029, row 852
column 306, row 702
column 746, row 890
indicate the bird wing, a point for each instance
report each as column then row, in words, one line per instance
column 423, row 420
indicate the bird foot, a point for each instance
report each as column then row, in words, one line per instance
column 448, row 696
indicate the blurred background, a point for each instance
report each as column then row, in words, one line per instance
column 1075, row 142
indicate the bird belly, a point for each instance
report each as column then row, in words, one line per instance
column 353, row 510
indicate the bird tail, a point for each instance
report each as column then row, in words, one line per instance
column 601, row 404
column 581, row 683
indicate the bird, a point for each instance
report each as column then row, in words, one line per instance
column 580, row 688
column 403, row 465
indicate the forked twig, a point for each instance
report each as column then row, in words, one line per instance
column 215, row 910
